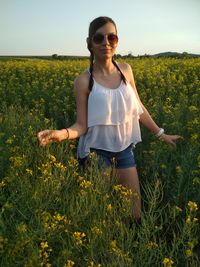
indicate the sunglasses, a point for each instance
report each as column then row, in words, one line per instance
column 98, row 38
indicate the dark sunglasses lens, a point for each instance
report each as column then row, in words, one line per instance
column 98, row 38
column 113, row 38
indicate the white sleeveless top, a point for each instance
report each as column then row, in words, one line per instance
column 113, row 119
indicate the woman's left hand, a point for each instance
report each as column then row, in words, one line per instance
column 170, row 139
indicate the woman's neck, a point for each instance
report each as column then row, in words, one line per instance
column 106, row 67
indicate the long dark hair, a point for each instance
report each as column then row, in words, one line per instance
column 94, row 26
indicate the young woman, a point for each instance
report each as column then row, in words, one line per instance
column 109, row 110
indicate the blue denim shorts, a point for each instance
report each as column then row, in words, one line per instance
column 119, row 160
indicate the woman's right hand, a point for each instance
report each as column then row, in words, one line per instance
column 48, row 136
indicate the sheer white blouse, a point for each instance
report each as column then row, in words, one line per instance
column 113, row 119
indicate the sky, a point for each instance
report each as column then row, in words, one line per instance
column 46, row 27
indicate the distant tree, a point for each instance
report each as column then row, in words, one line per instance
column 130, row 54
column 185, row 54
column 117, row 56
column 54, row 56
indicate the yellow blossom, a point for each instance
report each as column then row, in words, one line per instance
column 72, row 146
column 194, row 137
column 79, row 238
column 178, row 209
column 152, row 245
column 195, row 219
column 46, row 121
column 109, row 207
column 93, row 264
column 188, row 252
column 113, row 246
column 167, row 262
column 2, row 184
column 124, row 191
column 52, row 158
column 179, row 170
column 188, row 220
column 44, row 244
column 196, row 181
column 192, row 206
column 69, row 263
column 95, row 230
column 29, row 171
column 85, row 184
column 59, row 165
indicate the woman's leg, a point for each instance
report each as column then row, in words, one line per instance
column 128, row 177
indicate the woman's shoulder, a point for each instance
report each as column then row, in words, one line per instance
column 82, row 81
column 126, row 70
column 124, row 66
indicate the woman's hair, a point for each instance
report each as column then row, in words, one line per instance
column 94, row 26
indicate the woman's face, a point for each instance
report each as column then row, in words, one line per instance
column 104, row 41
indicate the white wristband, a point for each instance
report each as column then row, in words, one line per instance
column 161, row 131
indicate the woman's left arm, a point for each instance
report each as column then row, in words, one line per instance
column 148, row 122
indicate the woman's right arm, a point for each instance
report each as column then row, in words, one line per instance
column 80, row 126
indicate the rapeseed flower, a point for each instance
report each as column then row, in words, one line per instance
column 69, row 263
column 189, row 253
column 85, row 184
column 79, row 238
column 97, row 231
column 192, row 206
column 167, row 262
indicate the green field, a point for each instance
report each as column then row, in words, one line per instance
column 51, row 215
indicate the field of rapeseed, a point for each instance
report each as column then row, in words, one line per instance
column 52, row 215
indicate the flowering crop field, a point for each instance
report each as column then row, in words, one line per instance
column 53, row 215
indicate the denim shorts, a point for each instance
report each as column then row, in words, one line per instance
column 119, row 160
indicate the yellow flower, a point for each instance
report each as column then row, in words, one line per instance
column 113, row 246
column 46, row 121
column 106, row 173
column 58, row 217
column 124, row 191
column 196, row 181
column 17, row 160
column 95, row 230
column 92, row 264
column 72, row 146
column 179, row 169
column 194, row 137
column 188, row 252
column 167, row 262
column 163, row 166
column 152, row 245
column 44, row 244
column 188, row 220
column 85, row 184
column 178, row 209
column 192, row 206
column 69, row 263
column 10, row 140
column 79, row 238
column 59, row 165
column 2, row 184
column 22, row 228
column 29, row 171
column 52, row 158
column 195, row 219
column 109, row 207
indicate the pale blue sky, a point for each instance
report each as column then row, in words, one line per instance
column 45, row 27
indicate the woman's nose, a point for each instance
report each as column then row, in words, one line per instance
column 105, row 40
